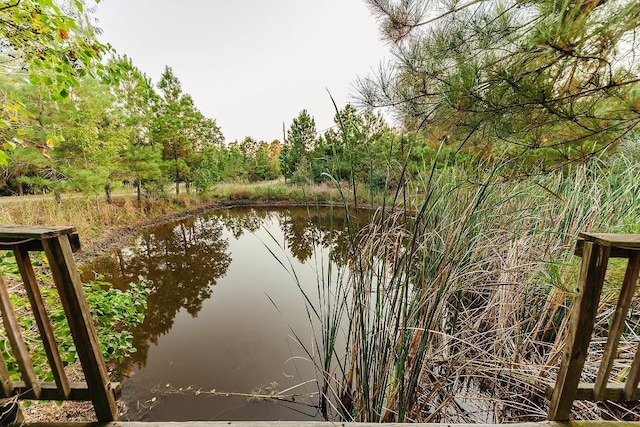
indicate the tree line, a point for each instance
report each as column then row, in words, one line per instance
column 534, row 84
column 129, row 130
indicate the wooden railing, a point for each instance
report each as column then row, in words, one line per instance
column 58, row 244
column 596, row 249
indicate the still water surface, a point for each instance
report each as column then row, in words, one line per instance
column 223, row 313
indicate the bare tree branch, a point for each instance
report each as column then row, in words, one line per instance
column 9, row 6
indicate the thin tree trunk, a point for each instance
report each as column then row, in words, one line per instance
column 107, row 192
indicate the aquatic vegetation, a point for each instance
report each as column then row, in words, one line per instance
column 452, row 308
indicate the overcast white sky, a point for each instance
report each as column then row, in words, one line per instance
column 250, row 64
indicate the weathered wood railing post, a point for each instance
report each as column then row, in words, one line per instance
column 596, row 249
column 57, row 243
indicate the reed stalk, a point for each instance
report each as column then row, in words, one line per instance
column 452, row 307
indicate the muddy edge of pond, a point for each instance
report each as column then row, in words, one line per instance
column 118, row 236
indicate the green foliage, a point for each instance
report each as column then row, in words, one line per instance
column 361, row 149
column 115, row 313
column 44, row 36
column 234, row 168
column 180, row 129
column 105, row 135
column 302, row 174
column 56, row 44
column 207, row 168
column 141, row 160
column 87, row 139
column 539, row 83
column 301, row 138
column 259, row 163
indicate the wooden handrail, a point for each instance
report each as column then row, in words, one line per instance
column 58, row 243
column 595, row 250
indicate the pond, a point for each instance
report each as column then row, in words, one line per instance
column 227, row 320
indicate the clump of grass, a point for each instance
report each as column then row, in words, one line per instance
column 275, row 191
column 453, row 309
column 90, row 214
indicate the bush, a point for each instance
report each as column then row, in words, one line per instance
column 115, row 313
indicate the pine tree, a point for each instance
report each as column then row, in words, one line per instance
column 544, row 82
column 301, row 138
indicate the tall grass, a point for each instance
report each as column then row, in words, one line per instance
column 453, row 308
column 92, row 215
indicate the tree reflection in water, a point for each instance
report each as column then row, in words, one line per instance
column 304, row 228
column 185, row 259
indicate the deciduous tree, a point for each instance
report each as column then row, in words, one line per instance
column 55, row 42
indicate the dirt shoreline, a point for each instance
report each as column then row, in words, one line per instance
column 117, row 236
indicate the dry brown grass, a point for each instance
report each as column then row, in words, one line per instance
column 458, row 312
column 91, row 215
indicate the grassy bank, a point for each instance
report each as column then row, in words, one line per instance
column 93, row 216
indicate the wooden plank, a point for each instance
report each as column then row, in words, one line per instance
column 615, row 251
column 42, row 319
column 613, row 392
column 20, row 351
column 33, row 232
column 6, row 386
column 612, row 239
column 617, row 327
column 582, row 317
column 50, row 391
column 35, row 245
column 631, row 382
column 67, row 280
column 634, row 373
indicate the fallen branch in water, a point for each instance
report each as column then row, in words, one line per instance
column 266, row 392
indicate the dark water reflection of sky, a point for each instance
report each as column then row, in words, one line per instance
column 211, row 323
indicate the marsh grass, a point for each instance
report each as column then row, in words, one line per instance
column 453, row 308
column 280, row 191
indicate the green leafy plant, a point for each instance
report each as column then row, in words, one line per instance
column 115, row 313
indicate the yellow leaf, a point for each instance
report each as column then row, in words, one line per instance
column 37, row 25
column 50, row 143
column 14, row 119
